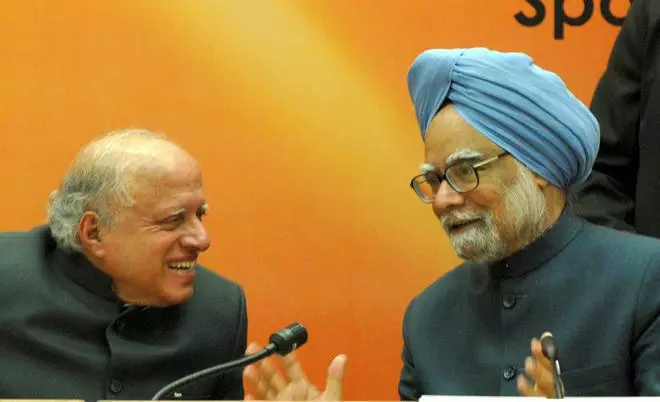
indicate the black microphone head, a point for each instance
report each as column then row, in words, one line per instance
column 289, row 338
column 549, row 347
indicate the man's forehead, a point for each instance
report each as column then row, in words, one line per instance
column 168, row 201
column 181, row 200
column 450, row 136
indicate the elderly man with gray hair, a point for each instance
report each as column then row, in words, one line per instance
column 108, row 301
column 505, row 144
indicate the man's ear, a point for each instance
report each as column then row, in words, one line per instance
column 89, row 233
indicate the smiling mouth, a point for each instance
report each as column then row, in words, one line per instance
column 183, row 266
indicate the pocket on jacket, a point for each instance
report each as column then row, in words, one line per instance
column 610, row 379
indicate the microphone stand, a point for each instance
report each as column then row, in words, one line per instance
column 220, row 368
column 551, row 351
column 556, row 378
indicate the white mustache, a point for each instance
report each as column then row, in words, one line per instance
column 458, row 217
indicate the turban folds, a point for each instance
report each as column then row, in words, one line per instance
column 524, row 109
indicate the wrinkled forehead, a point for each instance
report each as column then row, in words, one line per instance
column 451, row 138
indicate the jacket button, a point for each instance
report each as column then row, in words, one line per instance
column 508, row 301
column 509, row 373
column 115, row 386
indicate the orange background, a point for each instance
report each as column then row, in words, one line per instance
column 299, row 114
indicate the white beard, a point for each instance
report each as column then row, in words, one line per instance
column 484, row 241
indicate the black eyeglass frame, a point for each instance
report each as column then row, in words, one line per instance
column 421, row 178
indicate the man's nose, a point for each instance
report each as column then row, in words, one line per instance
column 446, row 197
column 197, row 238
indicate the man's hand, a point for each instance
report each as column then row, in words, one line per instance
column 265, row 382
column 539, row 369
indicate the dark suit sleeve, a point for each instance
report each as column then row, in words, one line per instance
column 231, row 384
column 608, row 197
column 646, row 347
column 408, row 390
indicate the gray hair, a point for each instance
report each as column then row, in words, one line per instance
column 97, row 180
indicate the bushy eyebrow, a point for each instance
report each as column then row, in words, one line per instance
column 426, row 168
column 464, row 155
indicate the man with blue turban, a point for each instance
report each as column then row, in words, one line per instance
column 505, row 143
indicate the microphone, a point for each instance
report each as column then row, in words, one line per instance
column 281, row 342
column 551, row 351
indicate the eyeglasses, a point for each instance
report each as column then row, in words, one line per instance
column 461, row 176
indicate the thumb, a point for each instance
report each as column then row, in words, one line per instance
column 335, row 383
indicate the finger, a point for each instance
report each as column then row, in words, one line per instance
column 265, row 379
column 537, row 352
column 292, row 392
column 272, row 376
column 299, row 391
column 542, row 377
column 253, row 371
column 249, row 397
column 259, row 384
column 526, row 388
column 334, row 384
column 293, row 368
column 251, row 377
column 266, row 369
column 253, row 348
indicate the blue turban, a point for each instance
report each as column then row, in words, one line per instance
column 522, row 108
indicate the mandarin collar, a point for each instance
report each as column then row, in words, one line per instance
column 541, row 250
column 80, row 270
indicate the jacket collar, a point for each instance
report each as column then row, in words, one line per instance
column 544, row 248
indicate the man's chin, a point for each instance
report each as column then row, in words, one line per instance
column 179, row 296
column 476, row 252
column 470, row 256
